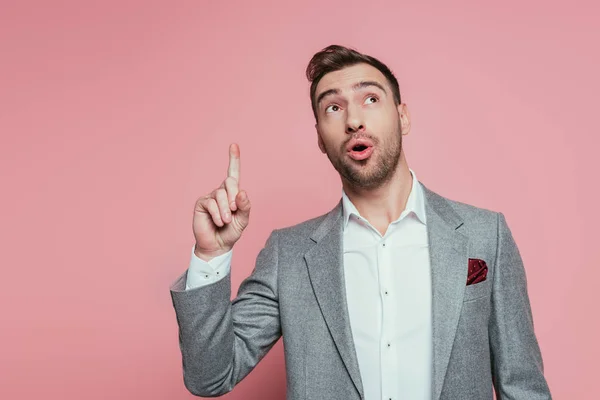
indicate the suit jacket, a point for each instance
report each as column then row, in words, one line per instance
column 483, row 334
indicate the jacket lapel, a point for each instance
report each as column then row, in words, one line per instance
column 325, row 268
column 448, row 253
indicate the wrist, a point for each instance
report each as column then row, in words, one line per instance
column 209, row 255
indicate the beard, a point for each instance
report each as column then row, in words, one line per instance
column 376, row 170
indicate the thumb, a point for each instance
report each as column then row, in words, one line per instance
column 243, row 204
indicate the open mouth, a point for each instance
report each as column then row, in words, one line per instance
column 360, row 152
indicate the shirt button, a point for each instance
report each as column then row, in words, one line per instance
column 389, row 345
column 206, row 276
column 386, row 292
column 383, row 244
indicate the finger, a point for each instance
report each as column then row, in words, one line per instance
column 211, row 206
column 243, row 203
column 223, row 203
column 234, row 162
column 231, row 186
column 243, row 213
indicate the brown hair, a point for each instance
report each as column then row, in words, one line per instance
column 334, row 58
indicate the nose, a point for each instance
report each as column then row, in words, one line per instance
column 354, row 122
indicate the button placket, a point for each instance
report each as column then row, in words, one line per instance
column 387, row 353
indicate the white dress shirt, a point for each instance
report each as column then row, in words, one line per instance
column 388, row 287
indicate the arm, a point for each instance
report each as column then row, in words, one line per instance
column 517, row 366
column 222, row 341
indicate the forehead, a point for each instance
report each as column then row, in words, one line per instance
column 345, row 78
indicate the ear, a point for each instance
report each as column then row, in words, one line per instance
column 404, row 118
column 319, row 139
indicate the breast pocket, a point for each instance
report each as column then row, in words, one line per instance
column 478, row 290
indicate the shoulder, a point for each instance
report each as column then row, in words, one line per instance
column 476, row 219
column 472, row 212
column 302, row 232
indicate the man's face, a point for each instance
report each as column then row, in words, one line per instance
column 359, row 125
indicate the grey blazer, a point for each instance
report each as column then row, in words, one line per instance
column 483, row 335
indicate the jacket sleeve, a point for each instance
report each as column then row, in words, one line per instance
column 220, row 340
column 517, row 366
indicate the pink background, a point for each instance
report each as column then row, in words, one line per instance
column 115, row 117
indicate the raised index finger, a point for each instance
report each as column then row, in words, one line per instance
column 234, row 162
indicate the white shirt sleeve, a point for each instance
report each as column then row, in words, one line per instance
column 202, row 273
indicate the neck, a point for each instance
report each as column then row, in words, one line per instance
column 383, row 205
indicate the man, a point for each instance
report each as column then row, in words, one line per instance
column 396, row 293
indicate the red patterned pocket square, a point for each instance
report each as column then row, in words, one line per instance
column 477, row 271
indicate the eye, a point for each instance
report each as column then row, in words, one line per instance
column 371, row 97
column 333, row 107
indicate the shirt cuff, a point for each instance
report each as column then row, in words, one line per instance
column 202, row 273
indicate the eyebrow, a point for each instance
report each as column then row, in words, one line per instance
column 357, row 86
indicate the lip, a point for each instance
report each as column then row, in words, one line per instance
column 356, row 142
column 359, row 155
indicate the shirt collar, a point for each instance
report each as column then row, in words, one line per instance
column 415, row 203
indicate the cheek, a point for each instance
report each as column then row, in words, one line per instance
column 330, row 145
column 331, row 134
column 382, row 121
column 333, row 123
